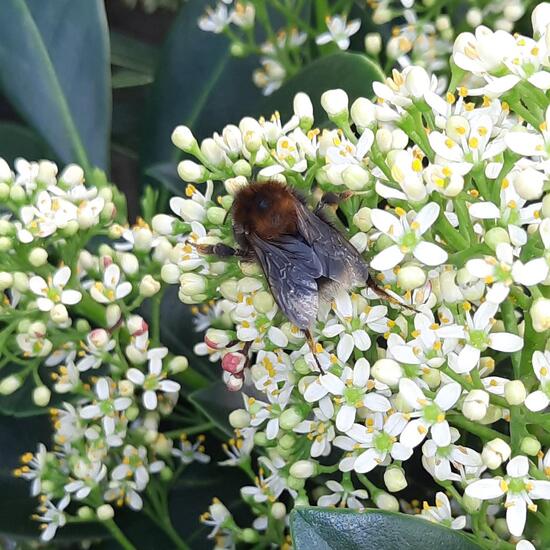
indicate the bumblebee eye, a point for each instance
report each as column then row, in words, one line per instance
column 263, row 204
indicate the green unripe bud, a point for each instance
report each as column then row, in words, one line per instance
column 295, row 483
column 249, row 535
column 242, row 168
column 290, row 418
column 496, row 236
column 530, row 446
column 260, row 439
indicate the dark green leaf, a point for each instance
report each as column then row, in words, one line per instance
column 127, row 78
column 18, row 436
column 329, row 529
column 129, row 53
column 167, row 175
column 54, row 68
column 17, row 140
column 352, row 72
column 198, row 83
column 216, row 402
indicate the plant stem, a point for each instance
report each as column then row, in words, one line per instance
column 204, row 427
column 483, row 432
column 118, row 535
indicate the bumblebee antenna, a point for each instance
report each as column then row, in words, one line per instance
column 311, row 344
column 385, row 295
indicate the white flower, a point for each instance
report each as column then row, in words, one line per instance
column 540, row 399
column 124, row 491
column 321, row 431
column 441, row 513
column 154, row 381
column 215, row 20
column 430, row 414
column 343, row 495
column 135, row 467
column 89, row 475
column 98, row 343
column 339, row 31
column 438, row 459
column 478, row 336
column 529, row 143
column 379, row 442
column 106, row 406
column 407, row 237
column 111, row 289
column 190, row 452
column 519, row 489
column 53, row 517
column 53, row 292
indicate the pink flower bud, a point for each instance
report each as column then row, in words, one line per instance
column 233, row 362
column 234, row 383
column 216, row 339
column 99, row 337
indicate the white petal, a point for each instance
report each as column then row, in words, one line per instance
column 430, row 253
column 345, row 347
column 332, row 383
column 61, row 277
column 518, row 466
column 38, row 285
column 345, row 418
column 150, row 400
column 537, row 401
column 531, row 273
column 277, row 336
column 414, row 433
column 135, row 376
column 387, row 259
column 169, row 386
column 541, row 489
column 102, row 389
column 401, row 452
column 441, row 433
column 367, row 461
column 376, row 402
column 505, row 341
column 361, row 339
column 524, row 143
column 361, row 372
column 315, row 391
column 71, row 297
column 89, row 411
column 386, row 222
column 427, row 216
column 448, row 395
column 468, row 358
column 516, row 514
column 484, row 489
column 484, row 211
column 411, row 393
column 480, row 268
column 44, row 304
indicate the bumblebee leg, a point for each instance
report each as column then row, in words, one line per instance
column 311, row 344
column 385, row 295
column 220, row 249
column 332, row 200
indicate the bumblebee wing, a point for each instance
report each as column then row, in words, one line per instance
column 291, row 268
column 339, row 259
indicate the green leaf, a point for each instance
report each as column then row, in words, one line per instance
column 17, row 140
column 198, row 84
column 352, row 72
column 54, row 69
column 18, row 436
column 129, row 53
column 329, row 529
column 167, row 175
column 127, row 78
column 216, row 402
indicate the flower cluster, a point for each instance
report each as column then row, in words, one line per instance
column 72, row 279
column 422, row 32
column 446, row 198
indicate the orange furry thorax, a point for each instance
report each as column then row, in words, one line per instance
column 266, row 209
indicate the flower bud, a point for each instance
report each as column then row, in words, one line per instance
column 384, row 139
column 303, row 108
column 148, row 286
column 494, row 413
column 135, row 355
column 530, row 446
column 10, row 384
column 234, row 383
column 382, row 15
column 59, row 314
column 229, row 290
column 387, row 371
column 214, row 155
column 496, row 236
column 112, row 315
column 163, row 224
column 239, row 419
column 355, row 177
column 105, row 512
column 170, row 273
column 529, row 184
column 303, row 469
column 540, row 19
column 192, row 284
column 335, row 103
column 6, row 280
column 474, row 17
column 301, row 366
column 85, row 513
column 515, row 392
column 5, row 171
column 362, row 219
column 41, row 396
column 178, row 363
column 192, row 172
column 417, row 81
column 290, row 418
column 183, row 138
column 136, row 325
column 471, row 504
column 233, row 362
column 126, row 388
column 410, row 277
column 475, row 404
column 540, row 314
column 288, row 441
column 278, row 510
column 263, row 301
column 17, row 194
column 387, row 502
column 546, row 206
column 249, row 535
column 72, row 175
column 395, row 480
column 38, row 257
column 360, row 242
column 242, row 168
column 216, row 215
column 132, row 412
column 495, row 452
column 373, row 43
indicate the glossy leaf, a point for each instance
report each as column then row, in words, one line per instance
column 198, row 84
column 60, row 79
column 352, row 72
column 129, row 53
column 330, row 529
column 17, row 140
column 216, row 402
